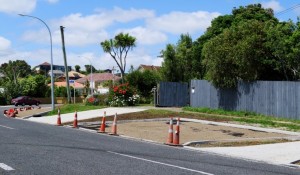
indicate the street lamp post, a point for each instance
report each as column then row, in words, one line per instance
column 51, row 53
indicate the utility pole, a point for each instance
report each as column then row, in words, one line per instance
column 66, row 65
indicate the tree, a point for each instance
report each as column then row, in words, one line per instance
column 283, row 42
column 34, row 86
column 143, row 81
column 182, row 62
column 168, row 69
column 13, row 70
column 118, row 49
column 77, row 68
column 88, row 69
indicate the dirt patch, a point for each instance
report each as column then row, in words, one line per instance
column 154, row 126
column 190, row 131
column 32, row 112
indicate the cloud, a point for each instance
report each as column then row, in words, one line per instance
column 182, row 22
column 4, row 44
column 90, row 29
column 52, row 1
column 17, row 6
column 273, row 4
column 146, row 36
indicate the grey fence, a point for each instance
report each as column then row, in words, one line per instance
column 172, row 94
column 275, row 98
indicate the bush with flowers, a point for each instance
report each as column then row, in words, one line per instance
column 91, row 100
column 123, row 95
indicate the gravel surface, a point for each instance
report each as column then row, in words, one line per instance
column 155, row 128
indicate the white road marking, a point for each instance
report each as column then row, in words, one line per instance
column 6, row 127
column 6, row 167
column 166, row 164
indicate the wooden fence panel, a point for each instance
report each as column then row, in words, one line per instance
column 173, row 94
column 275, row 98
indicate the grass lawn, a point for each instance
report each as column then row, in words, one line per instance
column 248, row 118
column 199, row 113
column 70, row 108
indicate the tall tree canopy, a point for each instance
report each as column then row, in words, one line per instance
column 243, row 48
column 118, row 49
column 181, row 62
column 77, row 68
column 88, row 69
column 13, row 70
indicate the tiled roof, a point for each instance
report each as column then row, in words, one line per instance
column 149, row 67
column 58, row 72
column 75, row 74
column 45, row 64
column 64, row 84
column 98, row 77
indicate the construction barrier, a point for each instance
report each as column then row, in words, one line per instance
column 175, row 141
column 102, row 126
column 177, row 131
column 170, row 132
column 114, row 126
column 75, row 123
column 58, row 123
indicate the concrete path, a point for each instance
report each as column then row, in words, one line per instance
column 85, row 115
column 280, row 153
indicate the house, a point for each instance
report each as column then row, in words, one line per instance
column 57, row 73
column 97, row 80
column 46, row 67
column 143, row 67
column 78, row 86
column 73, row 75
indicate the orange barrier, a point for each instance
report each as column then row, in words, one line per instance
column 114, row 126
column 12, row 112
column 102, row 127
column 177, row 131
column 170, row 132
column 75, row 123
column 58, row 123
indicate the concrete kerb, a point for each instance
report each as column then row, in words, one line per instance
column 36, row 115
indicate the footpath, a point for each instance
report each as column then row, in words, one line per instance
column 279, row 153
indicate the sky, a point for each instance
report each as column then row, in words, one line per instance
column 154, row 23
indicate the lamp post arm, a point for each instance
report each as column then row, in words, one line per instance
column 51, row 54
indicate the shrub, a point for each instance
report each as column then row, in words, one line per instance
column 123, row 95
column 96, row 99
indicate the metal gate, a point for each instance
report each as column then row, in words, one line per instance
column 172, row 94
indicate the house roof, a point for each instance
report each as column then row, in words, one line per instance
column 75, row 74
column 45, row 64
column 64, row 84
column 58, row 72
column 98, row 77
column 148, row 67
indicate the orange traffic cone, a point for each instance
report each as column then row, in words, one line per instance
column 75, row 121
column 102, row 127
column 114, row 126
column 58, row 118
column 170, row 136
column 176, row 135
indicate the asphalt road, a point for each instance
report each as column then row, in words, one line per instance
column 34, row 148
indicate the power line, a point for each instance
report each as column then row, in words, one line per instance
column 288, row 9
